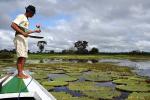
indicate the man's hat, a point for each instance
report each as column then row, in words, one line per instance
column 31, row 9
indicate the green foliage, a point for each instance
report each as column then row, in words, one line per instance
column 66, row 96
column 54, row 83
column 103, row 93
column 139, row 96
column 65, row 78
column 94, row 51
column 132, row 84
column 82, row 86
column 6, row 55
column 92, row 91
column 57, row 72
column 134, row 87
column 98, row 77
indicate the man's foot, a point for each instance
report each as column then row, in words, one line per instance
column 22, row 76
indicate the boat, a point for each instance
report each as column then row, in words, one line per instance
column 14, row 88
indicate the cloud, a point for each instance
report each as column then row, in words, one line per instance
column 114, row 25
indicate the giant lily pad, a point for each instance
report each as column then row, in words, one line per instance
column 82, row 86
column 64, row 78
column 97, row 77
column 134, row 87
column 139, row 96
column 93, row 91
column 66, row 96
column 102, row 93
column 55, row 83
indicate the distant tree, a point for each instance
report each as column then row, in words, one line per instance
column 81, row 47
column 52, row 51
column 94, row 51
column 41, row 45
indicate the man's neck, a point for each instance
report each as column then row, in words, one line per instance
column 26, row 15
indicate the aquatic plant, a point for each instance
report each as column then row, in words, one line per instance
column 134, row 87
column 54, row 83
column 66, row 96
column 82, row 86
column 93, row 91
column 139, row 96
column 102, row 93
column 64, row 78
column 97, row 77
column 57, row 72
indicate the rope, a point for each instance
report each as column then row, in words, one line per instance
column 24, row 88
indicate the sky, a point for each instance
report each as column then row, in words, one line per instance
column 109, row 25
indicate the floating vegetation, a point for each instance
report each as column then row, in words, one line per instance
column 54, row 83
column 39, row 76
column 57, row 72
column 98, row 77
column 66, row 96
column 130, row 80
column 102, row 93
column 125, row 81
column 74, row 74
column 139, row 96
column 76, row 69
column 132, row 84
column 65, row 78
column 82, row 86
column 92, row 91
column 62, row 77
column 134, row 87
column 49, row 88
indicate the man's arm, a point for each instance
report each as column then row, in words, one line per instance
column 17, row 29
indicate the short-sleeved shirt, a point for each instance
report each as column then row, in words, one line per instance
column 21, row 21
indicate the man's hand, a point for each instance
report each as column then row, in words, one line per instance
column 25, row 34
column 37, row 31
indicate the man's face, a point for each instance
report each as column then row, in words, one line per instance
column 30, row 14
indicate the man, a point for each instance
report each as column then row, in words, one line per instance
column 20, row 25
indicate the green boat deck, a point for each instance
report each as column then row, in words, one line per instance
column 15, row 85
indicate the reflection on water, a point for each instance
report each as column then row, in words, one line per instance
column 141, row 67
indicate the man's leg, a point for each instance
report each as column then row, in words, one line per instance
column 20, row 65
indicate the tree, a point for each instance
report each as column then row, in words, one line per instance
column 81, row 47
column 94, row 51
column 41, row 45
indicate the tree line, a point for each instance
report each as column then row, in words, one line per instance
column 79, row 47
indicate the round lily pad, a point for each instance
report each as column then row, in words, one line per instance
column 139, row 96
column 82, row 86
column 57, row 72
column 134, row 87
column 55, row 83
column 97, row 77
column 102, row 93
column 65, row 78
column 66, row 96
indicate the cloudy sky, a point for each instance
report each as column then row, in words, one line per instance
column 110, row 25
